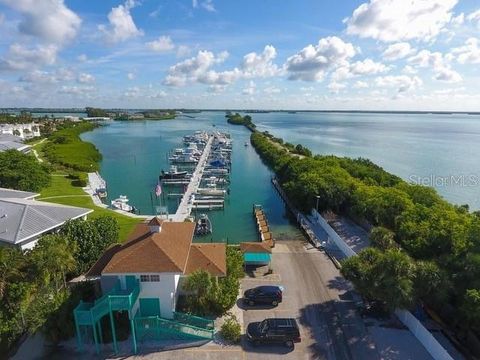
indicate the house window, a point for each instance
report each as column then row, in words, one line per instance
column 149, row 278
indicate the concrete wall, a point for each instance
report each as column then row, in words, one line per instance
column 165, row 290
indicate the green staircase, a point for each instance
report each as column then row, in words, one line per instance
column 182, row 327
column 90, row 314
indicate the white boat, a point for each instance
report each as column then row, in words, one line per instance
column 246, row 144
column 214, row 192
column 204, row 225
column 122, row 204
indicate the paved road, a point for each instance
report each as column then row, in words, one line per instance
column 318, row 297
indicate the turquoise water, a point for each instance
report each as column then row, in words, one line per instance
column 441, row 150
column 134, row 153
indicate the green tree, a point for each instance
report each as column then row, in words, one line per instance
column 382, row 238
column 22, row 172
column 108, row 228
column 383, row 276
column 204, row 288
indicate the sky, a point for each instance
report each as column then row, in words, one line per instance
column 249, row 54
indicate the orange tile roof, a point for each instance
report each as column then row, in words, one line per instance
column 166, row 251
column 210, row 257
column 255, row 247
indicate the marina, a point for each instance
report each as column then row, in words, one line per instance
column 211, row 155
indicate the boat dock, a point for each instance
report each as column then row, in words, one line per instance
column 186, row 204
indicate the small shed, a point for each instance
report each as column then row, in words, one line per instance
column 256, row 253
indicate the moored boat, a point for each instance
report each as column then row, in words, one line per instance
column 204, row 225
column 121, row 203
column 173, row 173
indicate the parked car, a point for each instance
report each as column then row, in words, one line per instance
column 271, row 295
column 274, row 331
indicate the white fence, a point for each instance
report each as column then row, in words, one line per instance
column 416, row 328
column 423, row 335
column 332, row 235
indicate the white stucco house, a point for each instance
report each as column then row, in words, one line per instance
column 157, row 255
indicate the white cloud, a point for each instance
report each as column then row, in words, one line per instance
column 206, row 4
column 38, row 76
column 426, row 58
column 439, row 65
column 76, row 90
column 458, row 20
column 19, row 57
column 469, row 53
column 130, row 76
column 250, row 89
column 272, row 90
column 398, row 51
column 410, row 70
column 49, row 20
column 260, row 65
column 85, row 78
column 367, row 67
column 400, row 20
column 448, row 75
column 197, row 69
column 82, row 58
column 360, row 85
column 474, row 17
column 311, row 63
column 335, row 87
column 162, row 44
column 45, row 77
column 402, row 83
column 121, row 26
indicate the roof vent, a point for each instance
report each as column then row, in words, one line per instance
column 155, row 225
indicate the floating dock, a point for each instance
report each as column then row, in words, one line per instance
column 186, row 204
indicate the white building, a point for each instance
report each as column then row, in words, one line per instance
column 158, row 255
column 23, row 220
column 24, row 131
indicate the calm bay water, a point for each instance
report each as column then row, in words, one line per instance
column 434, row 149
column 134, row 153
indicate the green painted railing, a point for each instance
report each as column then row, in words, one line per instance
column 157, row 328
column 192, row 320
column 116, row 299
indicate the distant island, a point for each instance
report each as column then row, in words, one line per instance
column 128, row 115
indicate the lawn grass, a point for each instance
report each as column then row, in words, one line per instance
column 61, row 191
column 65, row 148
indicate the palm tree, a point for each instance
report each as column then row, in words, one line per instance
column 53, row 258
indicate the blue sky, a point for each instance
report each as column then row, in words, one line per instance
column 370, row 54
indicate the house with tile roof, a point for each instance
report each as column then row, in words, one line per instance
column 23, row 220
column 158, row 254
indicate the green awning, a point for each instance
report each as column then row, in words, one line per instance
column 256, row 258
